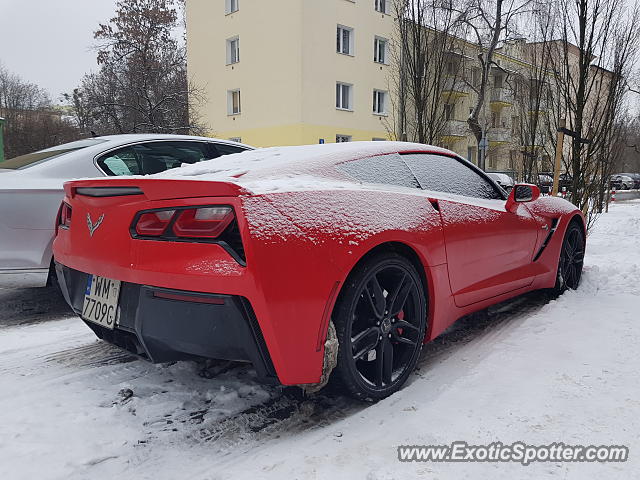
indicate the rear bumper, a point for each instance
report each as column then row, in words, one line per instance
column 195, row 325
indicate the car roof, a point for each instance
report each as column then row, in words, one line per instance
column 124, row 139
column 60, row 166
column 297, row 159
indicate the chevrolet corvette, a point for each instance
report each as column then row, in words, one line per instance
column 314, row 263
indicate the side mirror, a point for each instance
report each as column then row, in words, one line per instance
column 522, row 193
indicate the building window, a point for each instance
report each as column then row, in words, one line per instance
column 343, row 138
column 379, row 102
column 471, row 154
column 495, row 120
column 476, row 77
column 378, row 139
column 344, row 43
column 344, row 94
column 233, row 102
column 381, row 6
column 231, row 6
column 497, row 81
column 233, row 50
column 236, row 139
column 449, row 111
column 451, row 67
column 380, row 50
column 515, row 126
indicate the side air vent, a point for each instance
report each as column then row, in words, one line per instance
column 108, row 191
column 554, row 227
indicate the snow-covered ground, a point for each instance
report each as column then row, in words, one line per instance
column 532, row 370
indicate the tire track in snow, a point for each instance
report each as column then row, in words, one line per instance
column 285, row 412
column 96, row 354
column 289, row 411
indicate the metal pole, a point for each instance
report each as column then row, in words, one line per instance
column 482, row 146
column 558, row 163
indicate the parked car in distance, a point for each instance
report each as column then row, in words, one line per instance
column 565, row 181
column 621, row 182
column 545, row 182
column 302, row 259
column 636, row 179
column 505, row 181
column 31, row 189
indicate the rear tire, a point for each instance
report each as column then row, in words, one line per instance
column 571, row 259
column 380, row 321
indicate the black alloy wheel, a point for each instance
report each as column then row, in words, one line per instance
column 571, row 259
column 380, row 321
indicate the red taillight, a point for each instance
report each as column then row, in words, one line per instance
column 153, row 224
column 201, row 222
column 206, row 222
column 64, row 220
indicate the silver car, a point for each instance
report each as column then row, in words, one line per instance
column 31, row 189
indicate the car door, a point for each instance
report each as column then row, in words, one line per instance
column 489, row 249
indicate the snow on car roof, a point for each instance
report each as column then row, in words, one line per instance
column 295, row 167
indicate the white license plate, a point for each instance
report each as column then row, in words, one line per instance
column 101, row 301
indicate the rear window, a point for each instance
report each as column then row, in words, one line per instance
column 35, row 158
column 384, row 169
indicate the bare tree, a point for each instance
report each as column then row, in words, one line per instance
column 533, row 93
column 596, row 54
column 629, row 159
column 142, row 83
column 490, row 22
column 31, row 121
column 429, row 64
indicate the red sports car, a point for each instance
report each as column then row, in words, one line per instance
column 309, row 261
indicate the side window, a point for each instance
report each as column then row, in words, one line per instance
column 445, row 174
column 120, row 162
column 154, row 157
column 383, row 169
column 225, row 149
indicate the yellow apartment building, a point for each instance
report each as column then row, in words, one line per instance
column 292, row 72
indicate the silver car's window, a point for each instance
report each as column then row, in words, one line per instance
column 35, row 158
column 225, row 149
column 154, row 157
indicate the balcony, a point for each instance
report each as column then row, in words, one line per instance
column 501, row 97
column 499, row 136
column 455, row 130
column 455, row 87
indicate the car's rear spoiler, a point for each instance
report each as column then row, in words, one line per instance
column 152, row 188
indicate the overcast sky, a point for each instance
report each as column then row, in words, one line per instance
column 48, row 42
